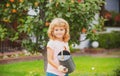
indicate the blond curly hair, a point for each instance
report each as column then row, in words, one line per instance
column 59, row 22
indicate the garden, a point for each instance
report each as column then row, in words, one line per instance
column 23, row 37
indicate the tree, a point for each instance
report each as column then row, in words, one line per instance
column 15, row 22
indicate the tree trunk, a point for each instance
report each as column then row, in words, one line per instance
column 44, row 54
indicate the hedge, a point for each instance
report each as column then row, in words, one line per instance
column 109, row 40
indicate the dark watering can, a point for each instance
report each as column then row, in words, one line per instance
column 65, row 59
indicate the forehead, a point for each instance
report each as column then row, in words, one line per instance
column 59, row 27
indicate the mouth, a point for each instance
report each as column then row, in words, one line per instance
column 59, row 34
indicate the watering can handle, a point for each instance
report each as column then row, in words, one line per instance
column 62, row 52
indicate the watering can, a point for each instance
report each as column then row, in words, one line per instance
column 66, row 60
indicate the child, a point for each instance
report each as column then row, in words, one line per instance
column 58, row 33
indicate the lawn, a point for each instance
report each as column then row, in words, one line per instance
column 85, row 66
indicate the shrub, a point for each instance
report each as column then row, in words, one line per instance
column 109, row 40
column 117, row 71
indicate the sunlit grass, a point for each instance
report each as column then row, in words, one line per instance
column 95, row 66
column 85, row 66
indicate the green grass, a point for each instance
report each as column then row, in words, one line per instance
column 103, row 66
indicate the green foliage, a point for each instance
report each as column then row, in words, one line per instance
column 109, row 40
column 3, row 32
column 78, row 15
column 14, row 11
column 117, row 71
column 15, row 21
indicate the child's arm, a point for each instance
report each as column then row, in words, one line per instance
column 50, row 60
column 50, row 57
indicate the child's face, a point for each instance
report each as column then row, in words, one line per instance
column 59, row 32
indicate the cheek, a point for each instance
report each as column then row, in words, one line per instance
column 64, row 31
column 54, row 32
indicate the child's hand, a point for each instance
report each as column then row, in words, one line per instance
column 63, row 69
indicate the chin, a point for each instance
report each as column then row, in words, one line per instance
column 60, row 36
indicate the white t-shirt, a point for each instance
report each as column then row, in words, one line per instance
column 56, row 46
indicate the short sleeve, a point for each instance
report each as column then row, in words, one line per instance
column 50, row 44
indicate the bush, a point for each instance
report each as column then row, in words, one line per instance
column 117, row 71
column 109, row 40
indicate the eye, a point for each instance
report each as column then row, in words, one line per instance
column 56, row 29
column 62, row 29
